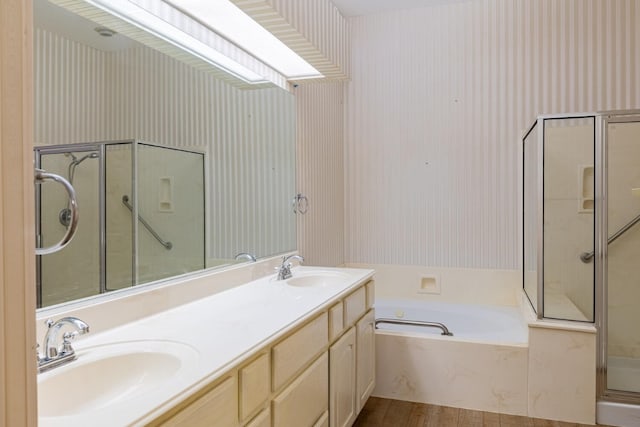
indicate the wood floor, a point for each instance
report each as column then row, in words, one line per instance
column 397, row 413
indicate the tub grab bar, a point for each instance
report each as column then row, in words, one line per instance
column 586, row 256
column 42, row 176
column 445, row 330
column 167, row 245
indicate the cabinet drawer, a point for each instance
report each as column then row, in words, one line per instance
column 262, row 420
column 336, row 321
column 254, row 386
column 217, row 408
column 291, row 355
column 303, row 402
column 371, row 293
column 354, row 306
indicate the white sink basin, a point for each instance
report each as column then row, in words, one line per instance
column 104, row 376
column 318, row 280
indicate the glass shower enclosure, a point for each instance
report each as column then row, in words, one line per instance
column 116, row 182
column 581, row 209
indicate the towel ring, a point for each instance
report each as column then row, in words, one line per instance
column 42, row 176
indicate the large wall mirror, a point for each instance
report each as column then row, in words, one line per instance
column 176, row 170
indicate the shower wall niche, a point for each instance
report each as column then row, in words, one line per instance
column 116, row 182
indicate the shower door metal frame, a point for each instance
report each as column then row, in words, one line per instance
column 603, row 393
column 539, row 123
column 39, row 151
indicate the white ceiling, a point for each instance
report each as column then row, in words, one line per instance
column 367, row 7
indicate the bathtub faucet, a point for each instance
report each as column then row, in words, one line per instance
column 284, row 271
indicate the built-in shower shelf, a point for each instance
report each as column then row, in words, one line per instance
column 587, row 187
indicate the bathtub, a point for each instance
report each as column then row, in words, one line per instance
column 483, row 366
column 483, row 323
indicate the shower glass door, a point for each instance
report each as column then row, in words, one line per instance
column 622, row 271
column 74, row 272
column 170, row 184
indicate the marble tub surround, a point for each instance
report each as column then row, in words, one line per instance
column 562, row 375
column 551, row 376
column 443, row 371
column 225, row 329
column 456, row 285
column 479, row 374
column 562, row 368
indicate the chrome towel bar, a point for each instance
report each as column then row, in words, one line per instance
column 586, row 256
column 441, row 326
column 167, row 245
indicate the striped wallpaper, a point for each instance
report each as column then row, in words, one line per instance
column 432, row 119
column 87, row 95
column 438, row 101
column 320, row 176
column 70, row 89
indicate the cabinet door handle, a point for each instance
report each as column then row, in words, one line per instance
column 300, row 204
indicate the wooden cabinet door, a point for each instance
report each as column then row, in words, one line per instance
column 342, row 381
column 365, row 358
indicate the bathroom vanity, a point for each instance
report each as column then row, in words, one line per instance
column 296, row 352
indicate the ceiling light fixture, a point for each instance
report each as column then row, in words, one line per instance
column 104, row 31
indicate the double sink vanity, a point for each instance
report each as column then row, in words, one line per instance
column 281, row 353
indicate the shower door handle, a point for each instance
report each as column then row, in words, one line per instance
column 42, row 176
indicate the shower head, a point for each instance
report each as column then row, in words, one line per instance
column 93, row 155
column 75, row 162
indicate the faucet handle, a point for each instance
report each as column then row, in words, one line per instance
column 66, row 342
column 68, row 336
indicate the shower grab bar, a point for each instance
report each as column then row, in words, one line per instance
column 441, row 326
column 42, row 176
column 167, row 245
column 587, row 256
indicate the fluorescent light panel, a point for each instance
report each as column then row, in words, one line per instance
column 229, row 21
column 141, row 18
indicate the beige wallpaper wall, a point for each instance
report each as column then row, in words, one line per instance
column 320, row 172
column 435, row 109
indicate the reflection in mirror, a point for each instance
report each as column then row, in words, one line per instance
column 119, row 252
column 209, row 167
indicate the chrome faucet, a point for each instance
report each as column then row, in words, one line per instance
column 54, row 354
column 284, row 271
column 245, row 255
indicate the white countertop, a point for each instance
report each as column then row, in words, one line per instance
column 223, row 330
